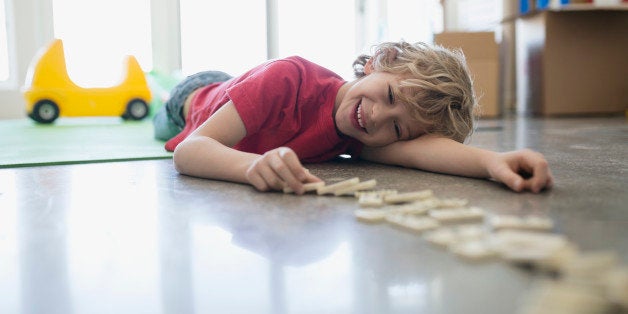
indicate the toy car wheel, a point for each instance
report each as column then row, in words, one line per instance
column 136, row 109
column 45, row 111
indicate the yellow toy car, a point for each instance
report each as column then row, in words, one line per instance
column 50, row 92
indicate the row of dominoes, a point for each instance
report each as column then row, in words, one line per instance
column 589, row 282
column 342, row 188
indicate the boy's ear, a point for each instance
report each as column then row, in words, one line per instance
column 368, row 67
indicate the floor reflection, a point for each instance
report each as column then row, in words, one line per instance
column 43, row 246
column 9, row 259
column 175, row 259
column 112, row 239
column 225, row 274
column 309, row 285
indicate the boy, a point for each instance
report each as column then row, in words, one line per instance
column 411, row 105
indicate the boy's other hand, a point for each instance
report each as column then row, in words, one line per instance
column 279, row 168
column 522, row 170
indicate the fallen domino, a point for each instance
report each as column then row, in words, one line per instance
column 413, row 222
column 307, row 187
column 457, row 214
column 442, row 237
column 476, row 250
column 351, row 189
column 371, row 200
column 500, row 222
column 371, row 215
column 448, row 237
column 452, row 203
column 414, row 208
column 527, row 247
column 330, row 189
column 381, row 193
column 407, row 197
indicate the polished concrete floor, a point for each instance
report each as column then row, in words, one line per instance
column 136, row 237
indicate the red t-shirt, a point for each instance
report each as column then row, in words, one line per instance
column 286, row 102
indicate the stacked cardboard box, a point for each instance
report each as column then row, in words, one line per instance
column 482, row 55
column 573, row 61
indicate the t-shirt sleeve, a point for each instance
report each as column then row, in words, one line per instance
column 267, row 95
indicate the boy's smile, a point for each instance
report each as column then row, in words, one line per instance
column 359, row 118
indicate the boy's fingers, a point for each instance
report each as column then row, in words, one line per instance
column 292, row 161
column 296, row 174
column 550, row 180
column 273, row 179
column 311, row 178
column 540, row 176
column 511, row 179
column 282, row 165
column 257, row 181
column 516, row 183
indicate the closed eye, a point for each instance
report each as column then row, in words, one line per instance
column 397, row 131
column 391, row 96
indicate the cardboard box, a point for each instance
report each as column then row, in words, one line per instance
column 572, row 62
column 482, row 54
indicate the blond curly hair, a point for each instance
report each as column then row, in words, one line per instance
column 435, row 85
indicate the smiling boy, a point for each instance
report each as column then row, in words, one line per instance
column 411, row 105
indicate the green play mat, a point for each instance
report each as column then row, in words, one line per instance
column 77, row 140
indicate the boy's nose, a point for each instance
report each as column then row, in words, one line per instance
column 379, row 114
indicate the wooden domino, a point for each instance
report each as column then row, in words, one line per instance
column 555, row 261
column 476, row 250
column 590, row 266
column 330, row 189
column 351, row 189
column 597, row 283
column 407, row 197
column 559, row 296
column 307, row 187
column 415, row 208
column 500, row 222
column 471, row 232
column 616, row 286
column 413, row 222
column 527, row 247
column 371, row 215
column 457, row 214
column 448, row 237
column 371, row 200
column 381, row 193
column 452, row 203
column 442, row 237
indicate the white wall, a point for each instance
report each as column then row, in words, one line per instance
column 29, row 26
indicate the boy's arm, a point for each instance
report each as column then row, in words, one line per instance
column 519, row 170
column 207, row 152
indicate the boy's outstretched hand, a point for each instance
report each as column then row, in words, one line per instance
column 279, row 168
column 521, row 170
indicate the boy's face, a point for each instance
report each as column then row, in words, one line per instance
column 370, row 112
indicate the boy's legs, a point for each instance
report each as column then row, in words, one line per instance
column 169, row 120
